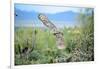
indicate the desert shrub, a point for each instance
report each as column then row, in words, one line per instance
column 84, row 50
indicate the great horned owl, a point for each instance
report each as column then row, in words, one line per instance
column 53, row 28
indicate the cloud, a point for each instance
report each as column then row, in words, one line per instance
column 46, row 9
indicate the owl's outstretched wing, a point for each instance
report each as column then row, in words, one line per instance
column 53, row 28
column 47, row 23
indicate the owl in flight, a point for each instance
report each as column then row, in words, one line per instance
column 53, row 28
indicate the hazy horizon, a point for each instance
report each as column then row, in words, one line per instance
column 27, row 15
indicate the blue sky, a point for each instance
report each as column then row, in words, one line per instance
column 60, row 16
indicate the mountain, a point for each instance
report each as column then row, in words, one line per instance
column 29, row 18
column 69, row 15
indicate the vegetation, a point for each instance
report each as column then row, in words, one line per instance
column 79, row 42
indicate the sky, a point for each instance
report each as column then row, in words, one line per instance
column 60, row 16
